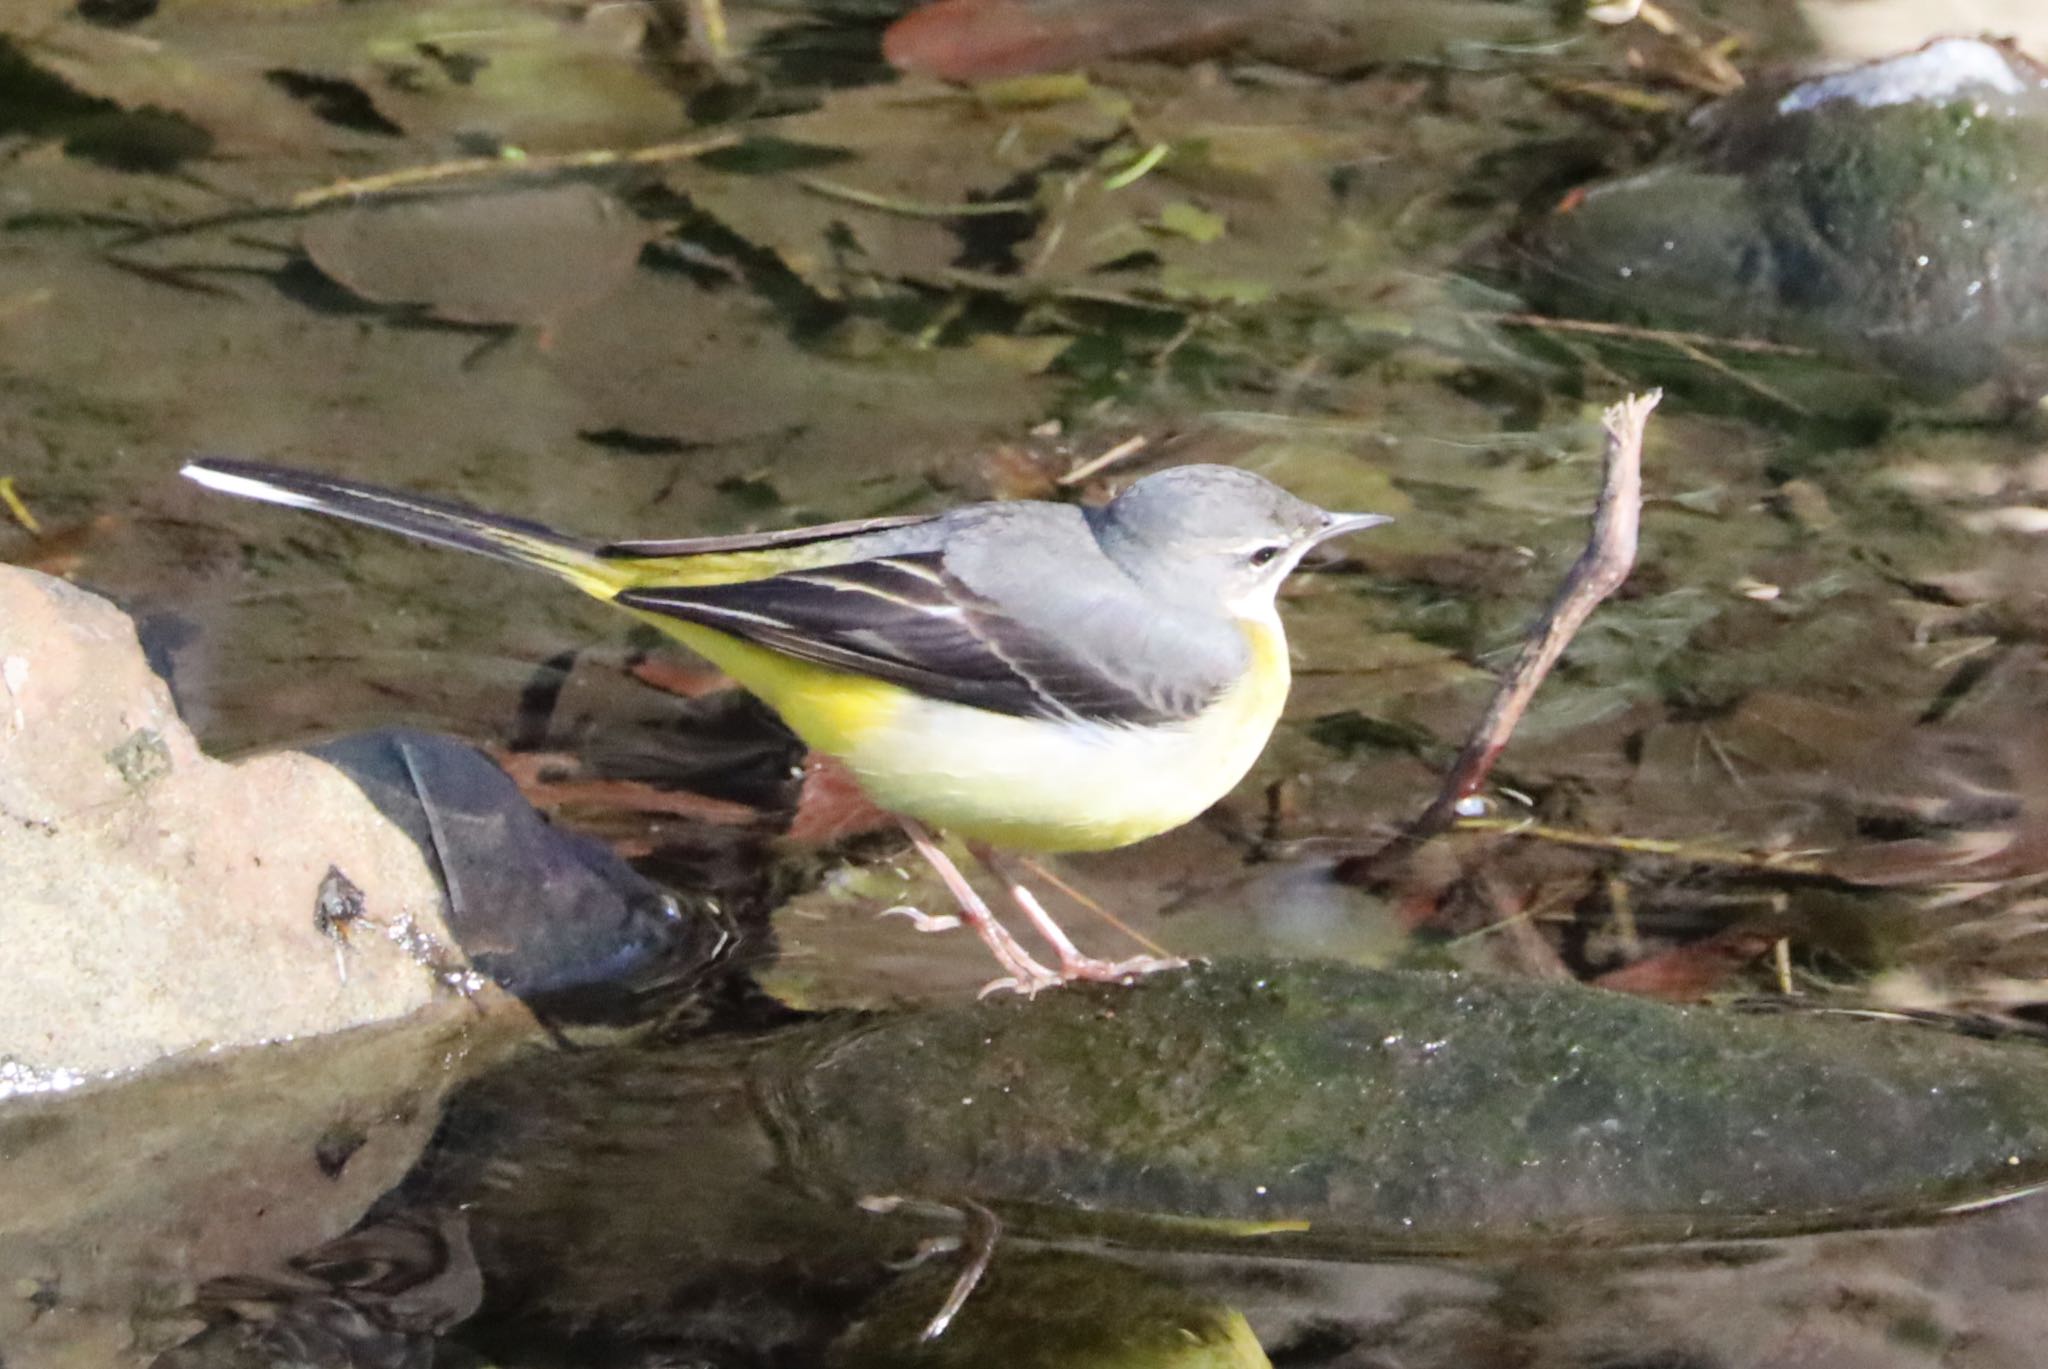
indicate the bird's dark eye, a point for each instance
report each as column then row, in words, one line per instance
column 1264, row 556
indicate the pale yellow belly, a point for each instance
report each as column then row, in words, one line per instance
column 1029, row 784
column 1021, row 783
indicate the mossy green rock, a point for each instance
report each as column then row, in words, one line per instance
column 1895, row 214
column 1260, row 1109
column 1323, row 1103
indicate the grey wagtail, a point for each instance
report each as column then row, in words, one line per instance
column 1031, row 676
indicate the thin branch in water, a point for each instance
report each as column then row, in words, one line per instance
column 1634, row 333
column 1039, row 869
column 978, row 1244
column 1095, row 465
column 1020, row 287
column 981, row 1229
column 1747, row 382
column 17, row 507
column 911, row 209
column 1609, row 556
column 1690, row 853
column 414, row 177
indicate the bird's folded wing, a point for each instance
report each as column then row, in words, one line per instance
column 906, row 620
column 759, row 541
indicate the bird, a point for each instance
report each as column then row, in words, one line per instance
column 1031, row 676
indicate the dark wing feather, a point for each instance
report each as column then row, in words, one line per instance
column 905, row 619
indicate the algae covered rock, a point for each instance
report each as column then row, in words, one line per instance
column 799, row 1177
column 1894, row 213
column 1319, row 1108
column 1325, row 1103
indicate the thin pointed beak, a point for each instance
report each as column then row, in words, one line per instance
column 1342, row 523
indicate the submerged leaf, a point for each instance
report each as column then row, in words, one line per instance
column 1190, row 221
column 521, row 256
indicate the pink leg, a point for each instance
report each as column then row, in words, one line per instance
column 1073, row 964
column 1025, row 975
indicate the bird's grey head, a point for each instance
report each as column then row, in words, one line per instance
column 1215, row 533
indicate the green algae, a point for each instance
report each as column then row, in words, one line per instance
column 142, row 758
column 1414, row 1106
column 785, row 1179
column 1909, row 235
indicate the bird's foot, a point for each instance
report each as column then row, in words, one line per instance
column 1023, row 974
column 1079, row 969
column 921, row 920
column 1027, row 983
column 1026, row 975
column 1088, row 968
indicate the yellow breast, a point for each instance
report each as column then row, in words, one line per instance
column 1037, row 784
column 1028, row 784
column 833, row 711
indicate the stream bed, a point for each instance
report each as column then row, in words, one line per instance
column 1711, row 1037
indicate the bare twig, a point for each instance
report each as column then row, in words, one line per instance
column 1609, row 556
column 1690, row 853
column 17, row 507
column 911, row 209
column 978, row 1245
column 414, row 177
column 1096, row 465
column 981, row 1229
column 1039, row 869
column 1669, row 337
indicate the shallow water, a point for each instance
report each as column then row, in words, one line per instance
column 892, row 296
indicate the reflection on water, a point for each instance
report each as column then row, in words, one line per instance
column 1801, row 754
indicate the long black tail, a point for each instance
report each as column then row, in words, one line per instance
column 443, row 522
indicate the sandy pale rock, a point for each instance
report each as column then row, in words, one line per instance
column 153, row 900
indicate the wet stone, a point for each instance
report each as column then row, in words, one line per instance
column 157, row 900
column 1419, row 1107
column 545, row 912
column 1312, row 1109
column 524, row 257
column 141, row 757
column 1894, row 213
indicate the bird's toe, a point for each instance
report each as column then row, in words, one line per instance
column 921, row 920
